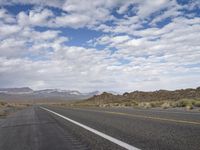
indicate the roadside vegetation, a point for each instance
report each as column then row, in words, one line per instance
column 7, row 108
column 184, row 98
column 187, row 104
column 183, row 103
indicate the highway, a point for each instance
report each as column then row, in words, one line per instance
column 55, row 128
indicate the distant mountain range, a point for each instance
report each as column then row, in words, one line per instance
column 26, row 93
column 23, row 90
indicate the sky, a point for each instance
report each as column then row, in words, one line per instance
column 105, row 45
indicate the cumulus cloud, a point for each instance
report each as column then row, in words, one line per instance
column 53, row 3
column 136, row 52
column 36, row 17
column 6, row 17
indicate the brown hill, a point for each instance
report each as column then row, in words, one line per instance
column 139, row 96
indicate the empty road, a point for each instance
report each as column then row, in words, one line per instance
column 54, row 128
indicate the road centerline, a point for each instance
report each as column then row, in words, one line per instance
column 144, row 116
column 103, row 135
column 154, row 118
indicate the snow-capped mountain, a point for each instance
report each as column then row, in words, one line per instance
column 26, row 93
column 23, row 90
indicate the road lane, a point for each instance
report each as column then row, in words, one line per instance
column 155, row 113
column 149, row 115
column 37, row 129
column 34, row 129
column 141, row 132
column 103, row 135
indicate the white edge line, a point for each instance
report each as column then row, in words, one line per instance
column 112, row 139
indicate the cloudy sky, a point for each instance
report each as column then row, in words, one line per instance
column 106, row 45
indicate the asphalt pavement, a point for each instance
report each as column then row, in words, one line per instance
column 35, row 128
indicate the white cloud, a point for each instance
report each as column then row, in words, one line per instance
column 18, row 41
column 161, row 54
column 36, row 17
column 6, row 17
column 145, row 58
column 74, row 20
column 52, row 3
column 146, row 8
column 7, row 30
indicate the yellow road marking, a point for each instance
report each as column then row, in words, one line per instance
column 143, row 116
column 154, row 118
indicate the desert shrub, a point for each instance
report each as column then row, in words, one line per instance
column 2, row 104
column 156, row 103
column 114, row 104
column 166, row 105
column 189, row 107
column 10, row 105
column 127, row 104
column 189, row 103
column 183, row 103
column 134, row 103
column 141, row 104
column 145, row 105
column 104, row 105
column 197, row 104
column 2, row 113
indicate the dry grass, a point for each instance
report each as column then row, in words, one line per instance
column 2, row 104
column 2, row 113
column 185, row 103
column 166, row 105
column 7, row 108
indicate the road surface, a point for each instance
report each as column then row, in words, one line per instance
column 53, row 128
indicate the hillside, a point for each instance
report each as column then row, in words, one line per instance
column 163, row 98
